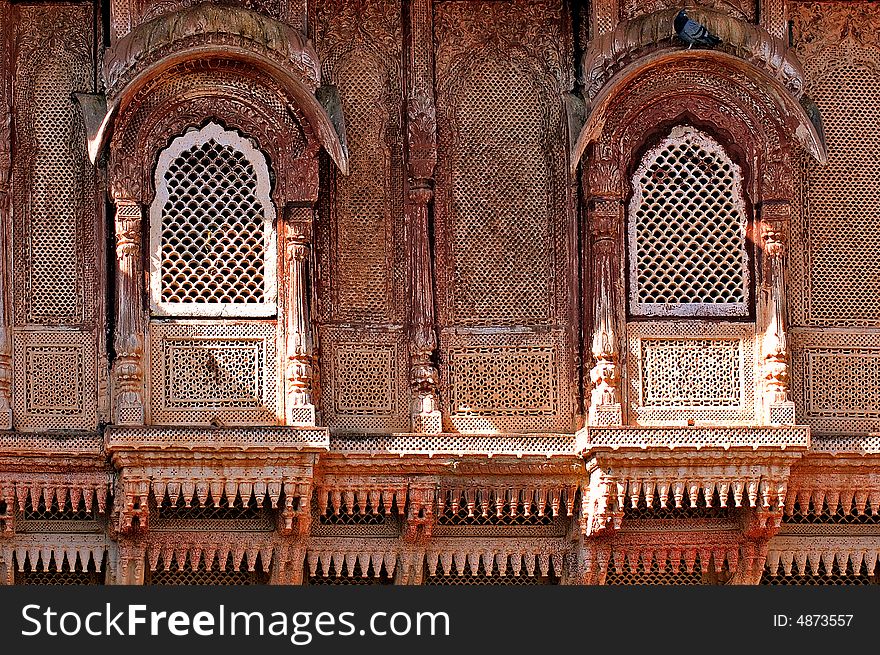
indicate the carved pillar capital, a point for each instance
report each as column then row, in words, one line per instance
column 299, row 369
column 128, row 368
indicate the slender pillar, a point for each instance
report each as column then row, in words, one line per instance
column 422, row 159
column 779, row 408
column 128, row 368
column 5, row 221
column 300, row 405
column 605, row 407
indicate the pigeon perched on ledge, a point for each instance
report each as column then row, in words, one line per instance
column 693, row 33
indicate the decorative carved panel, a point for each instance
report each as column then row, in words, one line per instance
column 364, row 384
column 691, row 371
column 836, row 386
column 504, row 230
column 54, row 240
column 360, row 252
column 507, row 382
column 54, row 382
column 203, row 372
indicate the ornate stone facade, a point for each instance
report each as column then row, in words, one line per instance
column 439, row 292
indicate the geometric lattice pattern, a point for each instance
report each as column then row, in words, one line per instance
column 362, row 373
column 654, row 575
column 819, row 577
column 364, row 380
column 680, row 371
column 503, row 381
column 57, row 187
column 481, row 578
column 54, row 380
column 843, row 202
column 364, row 240
column 843, row 382
column 687, row 233
column 43, row 575
column 212, row 233
column 826, row 516
column 502, row 206
column 356, row 577
column 691, row 372
column 203, row 575
column 225, row 370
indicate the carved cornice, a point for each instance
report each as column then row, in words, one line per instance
column 205, row 25
column 611, row 51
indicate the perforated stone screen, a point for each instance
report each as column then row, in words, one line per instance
column 502, row 237
column 687, row 231
column 212, row 237
column 843, row 202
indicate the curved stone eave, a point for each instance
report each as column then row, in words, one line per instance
column 301, row 95
column 803, row 131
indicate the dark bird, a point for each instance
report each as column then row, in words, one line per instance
column 693, row 33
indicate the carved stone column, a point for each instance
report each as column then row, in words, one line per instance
column 779, row 409
column 422, row 159
column 5, row 222
column 128, row 368
column 299, row 402
column 605, row 215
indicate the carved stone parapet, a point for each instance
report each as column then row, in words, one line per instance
column 774, row 344
column 299, row 369
column 605, row 408
column 128, row 368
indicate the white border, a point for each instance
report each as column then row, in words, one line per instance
column 270, row 285
column 738, row 309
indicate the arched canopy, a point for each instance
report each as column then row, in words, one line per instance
column 755, row 82
column 206, row 32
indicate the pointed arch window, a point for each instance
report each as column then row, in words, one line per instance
column 687, row 231
column 212, row 228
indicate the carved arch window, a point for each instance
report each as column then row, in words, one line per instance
column 212, row 228
column 687, row 231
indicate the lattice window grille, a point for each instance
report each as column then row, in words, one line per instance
column 819, row 576
column 493, row 578
column 687, row 231
column 624, row 574
column 212, row 234
column 214, row 574
column 41, row 574
column 353, row 577
column 827, row 516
